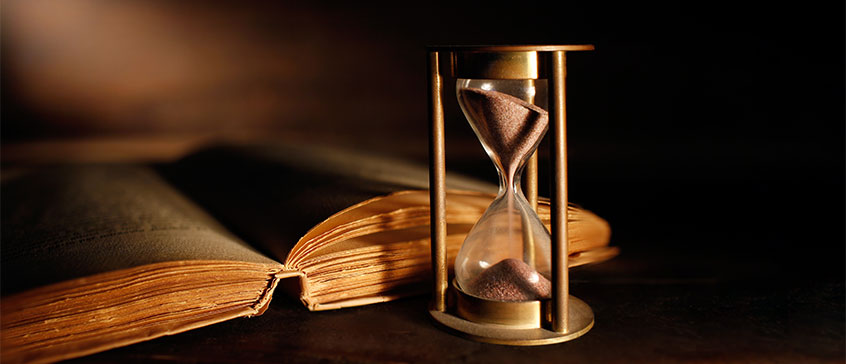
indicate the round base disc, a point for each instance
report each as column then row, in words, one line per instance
column 581, row 321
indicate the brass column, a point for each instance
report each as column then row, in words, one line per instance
column 532, row 181
column 558, row 190
column 531, row 188
column 437, row 182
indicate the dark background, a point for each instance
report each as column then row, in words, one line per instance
column 709, row 134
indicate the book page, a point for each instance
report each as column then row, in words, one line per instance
column 68, row 222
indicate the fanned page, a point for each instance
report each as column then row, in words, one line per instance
column 379, row 250
column 96, row 257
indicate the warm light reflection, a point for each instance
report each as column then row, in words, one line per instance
column 89, row 67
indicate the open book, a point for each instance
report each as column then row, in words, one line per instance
column 101, row 256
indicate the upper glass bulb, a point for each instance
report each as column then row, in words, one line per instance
column 505, row 256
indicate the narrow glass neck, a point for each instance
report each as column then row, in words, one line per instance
column 510, row 180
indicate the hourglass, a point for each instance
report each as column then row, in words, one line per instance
column 510, row 282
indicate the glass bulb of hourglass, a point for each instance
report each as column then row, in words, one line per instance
column 506, row 255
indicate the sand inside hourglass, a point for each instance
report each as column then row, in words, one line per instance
column 511, row 280
column 510, row 128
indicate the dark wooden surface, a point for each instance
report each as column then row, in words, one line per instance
column 699, row 280
column 637, row 320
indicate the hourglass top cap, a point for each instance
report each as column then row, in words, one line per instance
column 505, row 62
column 512, row 48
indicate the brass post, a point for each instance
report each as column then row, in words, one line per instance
column 437, row 185
column 558, row 151
column 531, row 184
column 531, row 189
column 532, row 181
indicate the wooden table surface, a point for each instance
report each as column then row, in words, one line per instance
column 638, row 320
column 698, row 280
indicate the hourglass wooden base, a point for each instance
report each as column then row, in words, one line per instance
column 510, row 323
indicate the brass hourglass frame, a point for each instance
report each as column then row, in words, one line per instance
column 563, row 317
